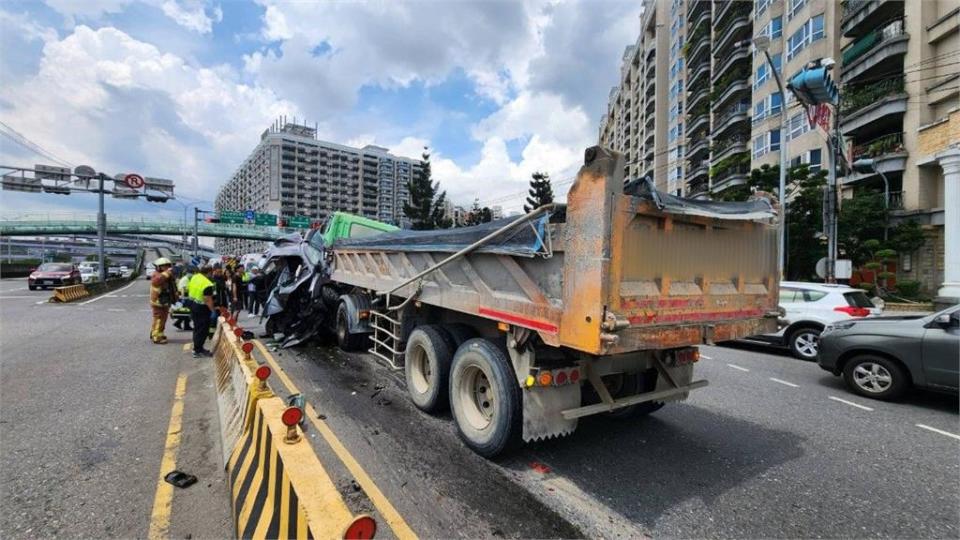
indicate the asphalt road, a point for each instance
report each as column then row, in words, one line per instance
column 774, row 447
column 85, row 402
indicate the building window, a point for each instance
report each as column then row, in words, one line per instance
column 811, row 31
column 760, row 110
column 762, row 6
column 798, row 125
column 774, row 138
column 776, row 27
column 815, row 160
column 795, row 7
column 776, row 103
column 763, row 73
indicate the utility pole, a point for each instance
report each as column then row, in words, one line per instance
column 196, row 241
column 762, row 43
column 101, row 229
column 814, row 86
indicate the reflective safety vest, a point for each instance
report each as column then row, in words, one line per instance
column 198, row 283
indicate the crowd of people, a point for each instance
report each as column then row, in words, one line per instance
column 193, row 295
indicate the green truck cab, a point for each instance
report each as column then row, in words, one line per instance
column 343, row 225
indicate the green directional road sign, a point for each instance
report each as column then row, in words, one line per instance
column 299, row 222
column 267, row 220
column 231, row 217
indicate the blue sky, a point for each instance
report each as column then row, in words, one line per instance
column 181, row 89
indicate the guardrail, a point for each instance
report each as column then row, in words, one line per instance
column 29, row 227
column 278, row 487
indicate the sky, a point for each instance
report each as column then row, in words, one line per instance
column 182, row 89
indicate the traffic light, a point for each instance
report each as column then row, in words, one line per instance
column 814, row 85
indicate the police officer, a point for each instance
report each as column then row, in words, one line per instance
column 163, row 293
column 200, row 289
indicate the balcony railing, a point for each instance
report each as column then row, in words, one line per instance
column 730, row 112
column 888, row 144
column 724, row 175
column 885, row 32
column 723, row 144
column 849, row 7
column 896, row 200
column 858, row 97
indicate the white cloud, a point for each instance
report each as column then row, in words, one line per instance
column 192, row 15
column 133, row 107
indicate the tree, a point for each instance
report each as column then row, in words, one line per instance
column 862, row 218
column 541, row 192
column 425, row 208
column 478, row 215
column 804, row 213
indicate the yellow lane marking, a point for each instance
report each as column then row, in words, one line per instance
column 163, row 499
column 396, row 522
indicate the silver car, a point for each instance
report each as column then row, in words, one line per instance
column 881, row 357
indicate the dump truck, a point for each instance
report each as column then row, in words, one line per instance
column 523, row 326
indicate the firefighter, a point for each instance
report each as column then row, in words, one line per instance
column 200, row 289
column 163, row 293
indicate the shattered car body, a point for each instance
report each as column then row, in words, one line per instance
column 300, row 296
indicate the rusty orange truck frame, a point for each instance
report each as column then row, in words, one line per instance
column 604, row 318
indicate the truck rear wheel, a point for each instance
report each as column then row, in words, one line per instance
column 485, row 398
column 427, row 368
column 346, row 340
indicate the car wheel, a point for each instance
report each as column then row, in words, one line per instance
column 427, row 368
column 804, row 343
column 875, row 377
column 32, row 287
column 485, row 398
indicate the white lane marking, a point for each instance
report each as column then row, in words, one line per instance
column 734, row 366
column 705, row 357
column 850, row 403
column 785, row 383
column 132, row 283
column 116, row 309
column 8, row 297
column 42, row 302
column 940, row 431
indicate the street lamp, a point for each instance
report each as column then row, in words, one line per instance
column 867, row 165
column 762, row 43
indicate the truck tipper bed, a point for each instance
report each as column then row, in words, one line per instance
column 524, row 325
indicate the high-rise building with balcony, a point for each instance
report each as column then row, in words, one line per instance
column 292, row 173
column 632, row 124
column 901, row 109
column 731, row 95
column 696, row 51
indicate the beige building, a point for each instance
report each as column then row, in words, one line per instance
column 900, row 109
column 897, row 64
column 632, row 124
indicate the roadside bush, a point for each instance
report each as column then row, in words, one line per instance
column 909, row 289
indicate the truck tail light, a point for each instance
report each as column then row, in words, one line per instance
column 853, row 311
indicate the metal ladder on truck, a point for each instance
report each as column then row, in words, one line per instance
column 386, row 344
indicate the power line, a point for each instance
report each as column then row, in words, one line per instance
column 23, row 141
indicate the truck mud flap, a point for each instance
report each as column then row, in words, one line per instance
column 543, row 409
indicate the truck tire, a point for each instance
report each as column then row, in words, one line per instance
column 485, row 398
column 427, row 368
column 345, row 340
column 630, row 384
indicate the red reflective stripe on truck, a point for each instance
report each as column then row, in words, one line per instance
column 516, row 319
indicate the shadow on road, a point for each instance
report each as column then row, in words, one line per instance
column 644, row 468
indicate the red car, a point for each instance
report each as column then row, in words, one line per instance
column 54, row 275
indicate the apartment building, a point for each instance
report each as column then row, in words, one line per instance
column 631, row 124
column 292, row 173
column 699, row 103
column 900, row 103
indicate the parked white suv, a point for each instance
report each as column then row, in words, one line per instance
column 811, row 306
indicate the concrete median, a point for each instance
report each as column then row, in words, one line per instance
column 279, row 488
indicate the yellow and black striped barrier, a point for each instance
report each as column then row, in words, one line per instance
column 69, row 293
column 278, row 487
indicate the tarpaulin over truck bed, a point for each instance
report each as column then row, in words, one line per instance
column 753, row 209
column 525, row 241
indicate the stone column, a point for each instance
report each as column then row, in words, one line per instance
column 949, row 292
